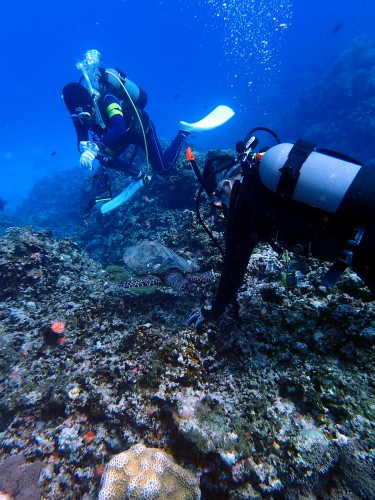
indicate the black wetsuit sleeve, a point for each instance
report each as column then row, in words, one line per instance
column 242, row 235
column 116, row 126
column 81, row 131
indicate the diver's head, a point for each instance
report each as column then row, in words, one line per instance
column 219, row 173
column 78, row 101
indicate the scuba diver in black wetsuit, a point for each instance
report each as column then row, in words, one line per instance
column 109, row 117
column 107, row 129
column 310, row 201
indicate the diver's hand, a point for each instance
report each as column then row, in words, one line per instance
column 83, row 146
column 200, row 316
column 89, row 155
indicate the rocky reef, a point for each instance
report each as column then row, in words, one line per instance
column 277, row 405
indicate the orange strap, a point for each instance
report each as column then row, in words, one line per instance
column 189, row 154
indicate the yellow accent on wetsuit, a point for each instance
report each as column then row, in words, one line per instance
column 114, row 109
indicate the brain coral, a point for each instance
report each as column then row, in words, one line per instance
column 142, row 473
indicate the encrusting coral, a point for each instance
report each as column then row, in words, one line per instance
column 147, row 473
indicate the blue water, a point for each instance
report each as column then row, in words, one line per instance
column 256, row 56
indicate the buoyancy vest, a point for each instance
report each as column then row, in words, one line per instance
column 292, row 225
column 314, row 202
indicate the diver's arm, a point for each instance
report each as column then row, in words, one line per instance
column 82, row 133
column 116, row 128
column 242, row 236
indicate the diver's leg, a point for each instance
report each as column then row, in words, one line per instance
column 124, row 166
column 163, row 161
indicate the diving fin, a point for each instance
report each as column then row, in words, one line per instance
column 125, row 195
column 217, row 117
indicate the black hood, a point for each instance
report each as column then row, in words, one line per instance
column 76, row 96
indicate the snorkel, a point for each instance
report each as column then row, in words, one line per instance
column 90, row 70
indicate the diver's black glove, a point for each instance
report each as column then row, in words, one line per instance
column 198, row 317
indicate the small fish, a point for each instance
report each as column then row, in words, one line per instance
column 337, row 28
column 176, row 95
column 53, row 153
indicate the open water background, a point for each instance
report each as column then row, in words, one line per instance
column 256, row 56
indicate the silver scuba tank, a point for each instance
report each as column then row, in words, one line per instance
column 323, row 180
column 117, row 80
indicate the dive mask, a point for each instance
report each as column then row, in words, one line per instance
column 82, row 115
column 224, row 186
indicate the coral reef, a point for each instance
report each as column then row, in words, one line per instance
column 19, row 479
column 142, row 472
column 277, row 404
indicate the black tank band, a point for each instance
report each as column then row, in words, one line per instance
column 291, row 169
